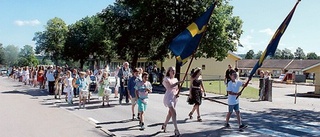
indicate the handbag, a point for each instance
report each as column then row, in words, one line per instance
column 189, row 100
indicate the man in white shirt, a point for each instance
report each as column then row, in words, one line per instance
column 50, row 79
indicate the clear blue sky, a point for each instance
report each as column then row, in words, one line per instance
column 20, row 19
column 262, row 17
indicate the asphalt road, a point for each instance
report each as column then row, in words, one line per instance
column 31, row 112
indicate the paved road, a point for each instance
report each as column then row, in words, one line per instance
column 24, row 113
column 278, row 118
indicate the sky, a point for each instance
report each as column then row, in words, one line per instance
column 262, row 17
column 20, row 19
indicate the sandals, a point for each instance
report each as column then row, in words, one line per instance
column 190, row 115
column 164, row 128
column 199, row 119
column 176, row 133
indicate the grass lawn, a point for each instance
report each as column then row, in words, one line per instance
column 213, row 87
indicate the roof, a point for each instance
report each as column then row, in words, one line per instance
column 311, row 67
column 302, row 64
column 268, row 63
column 279, row 64
column 235, row 55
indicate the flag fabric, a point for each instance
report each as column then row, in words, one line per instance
column 273, row 44
column 186, row 43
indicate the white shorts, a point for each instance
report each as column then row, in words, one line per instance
column 83, row 93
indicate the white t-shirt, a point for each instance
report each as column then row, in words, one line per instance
column 233, row 87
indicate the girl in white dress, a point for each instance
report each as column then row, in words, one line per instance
column 68, row 87
column 170, row 99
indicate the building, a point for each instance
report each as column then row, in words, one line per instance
column 278, row 66
column 211, row 69
column 316, row 70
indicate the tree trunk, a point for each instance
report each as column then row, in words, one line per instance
column 134, row 61
column 81, row 64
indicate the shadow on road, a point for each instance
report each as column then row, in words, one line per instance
column 31, row 92
column 306, row 95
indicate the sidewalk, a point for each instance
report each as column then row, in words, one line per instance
column 282, row 98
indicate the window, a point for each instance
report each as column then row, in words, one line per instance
column 203, row 67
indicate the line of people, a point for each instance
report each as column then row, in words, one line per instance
column 132, row 84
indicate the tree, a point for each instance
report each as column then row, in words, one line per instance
column 11, row 55
column 312, row 55
column 2, row 54
column 86, row 37
column 27, row 57
column 286, row 54
column 158, row 22
column 258, row 55
column 249, row 54
column 299, row 54
column 277, row 54
column 51, row 41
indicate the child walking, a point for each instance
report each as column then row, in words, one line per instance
column 68, row 87
column 83, row 89
column 104, row 90
column 143, row 88
column 233, row 103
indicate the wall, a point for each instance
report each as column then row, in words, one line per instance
column 211, row 69
column 316, row 70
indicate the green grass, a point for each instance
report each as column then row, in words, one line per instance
column 213, row 87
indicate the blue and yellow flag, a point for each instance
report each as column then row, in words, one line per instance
column 186, row 43
column 273, row 44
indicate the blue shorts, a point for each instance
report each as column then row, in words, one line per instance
column 233, row 107
column 142, row 104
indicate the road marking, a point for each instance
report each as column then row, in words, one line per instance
column 312, row 123
column 304, row 129
column 93, row 120
column 234, row 135
column 265, row 131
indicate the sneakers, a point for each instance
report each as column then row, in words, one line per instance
column 227, row 125
column 243, row 126
column 133, row 115
column 142, row 126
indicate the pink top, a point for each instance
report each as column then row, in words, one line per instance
column 170, row 99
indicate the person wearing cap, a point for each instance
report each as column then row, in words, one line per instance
column 131, row 91
column 83, row 89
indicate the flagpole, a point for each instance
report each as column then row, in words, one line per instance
column 250, row 77
column 185, row 75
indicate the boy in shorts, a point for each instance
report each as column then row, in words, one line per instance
column 143, row 88
column 233, row 103
column 132, row 92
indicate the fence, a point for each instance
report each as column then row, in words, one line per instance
column 206, row 78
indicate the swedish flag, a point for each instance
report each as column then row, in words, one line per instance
column 186, row 43
column 273, row 44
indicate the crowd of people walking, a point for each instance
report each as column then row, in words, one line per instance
column 132, row 84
